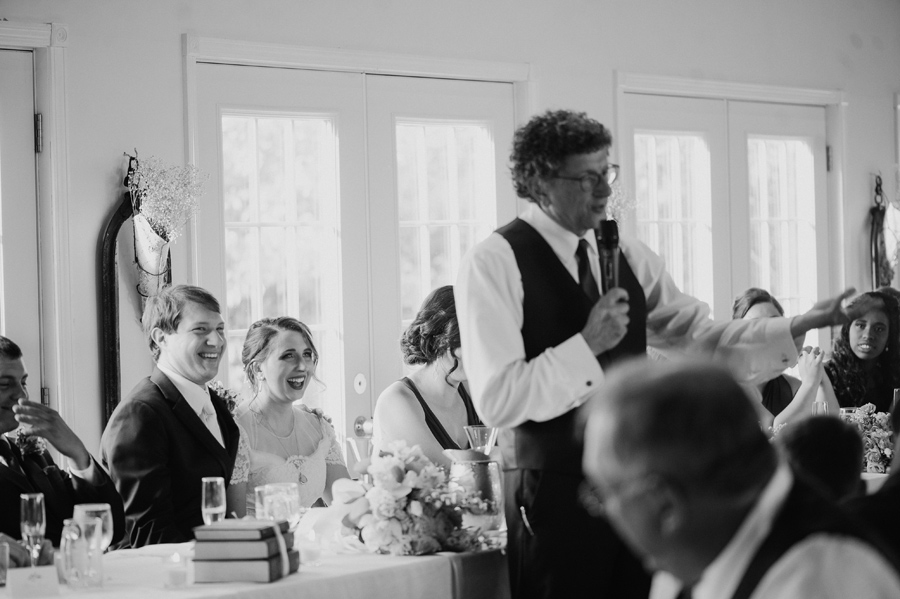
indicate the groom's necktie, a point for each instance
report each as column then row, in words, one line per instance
column 585, row 276
column 209, row 418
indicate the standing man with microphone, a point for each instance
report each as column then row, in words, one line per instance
column 538, row 334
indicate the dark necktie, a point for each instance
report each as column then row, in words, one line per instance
column 585, row 276
column 8, row 455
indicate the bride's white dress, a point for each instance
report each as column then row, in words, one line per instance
column 300, row 456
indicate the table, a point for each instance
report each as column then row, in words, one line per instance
column 140, row 574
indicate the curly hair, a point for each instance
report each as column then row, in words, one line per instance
column 258, row 343
column 542, row 145
column 434, row 331
column 846, row 371
column 750, row 298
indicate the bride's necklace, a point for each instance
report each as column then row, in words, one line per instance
column 264, row 422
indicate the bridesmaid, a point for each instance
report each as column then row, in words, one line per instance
column 430, row 407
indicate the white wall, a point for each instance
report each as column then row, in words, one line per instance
column 125, row 87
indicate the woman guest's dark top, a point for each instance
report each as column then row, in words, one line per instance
column 881, row 396
column 434, row 425
column 777, row 394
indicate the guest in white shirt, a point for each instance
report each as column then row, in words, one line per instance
column 537, row 341
column 172, row 430
column 677, row 462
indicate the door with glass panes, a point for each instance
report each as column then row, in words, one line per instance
column 732, row 194
column 343, row 199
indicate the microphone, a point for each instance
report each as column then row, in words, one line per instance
column 608, row 248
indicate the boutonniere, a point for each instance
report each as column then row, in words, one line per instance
column 29, row 444
column 231, row 397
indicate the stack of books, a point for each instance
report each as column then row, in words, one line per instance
column 242, row 551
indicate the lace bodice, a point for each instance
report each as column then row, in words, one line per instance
column 300, row 457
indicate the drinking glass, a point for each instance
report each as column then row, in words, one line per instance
column 96, row 510
column 33, row 523
column 819, row 407
column 361, row 448
column 482, row 438
column 92, row 529
column 281, row 501
column 213, row 500
column 259, row 496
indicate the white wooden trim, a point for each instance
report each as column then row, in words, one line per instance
column 24, row 35
column 53, row 206
column 48, row 41
column 224, row 51
column 196, row 50
column 833, row 101
column 699, row 88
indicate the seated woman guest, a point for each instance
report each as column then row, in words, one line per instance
column 785, row 397
column 430, row 407
column 288, row 442
column 26, row 465
column 865, row 363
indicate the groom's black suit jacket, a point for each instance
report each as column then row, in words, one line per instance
column 157, row 449
column 38, row 473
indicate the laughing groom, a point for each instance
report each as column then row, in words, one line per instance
column 171, row 430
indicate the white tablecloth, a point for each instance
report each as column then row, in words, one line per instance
column 140, row 573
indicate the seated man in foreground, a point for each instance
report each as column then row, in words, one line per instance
column 26, row 466
column 677, row 462
column 171, row 430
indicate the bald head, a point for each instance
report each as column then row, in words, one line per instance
column 686, row 421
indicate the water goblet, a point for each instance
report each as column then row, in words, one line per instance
column 819, row 407
column 281, row 501
column 33, row 523
column 213, row 499
column 96, row 510
column 482, row 438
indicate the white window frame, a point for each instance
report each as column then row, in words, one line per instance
column 835, row 105
column 48, row 41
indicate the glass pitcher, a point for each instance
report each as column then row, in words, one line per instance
column 479, row 475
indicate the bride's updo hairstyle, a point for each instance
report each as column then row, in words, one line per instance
column 434, row 331
column 258, row 343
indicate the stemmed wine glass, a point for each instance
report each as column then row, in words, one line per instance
column 33, row 523
column 83, row 511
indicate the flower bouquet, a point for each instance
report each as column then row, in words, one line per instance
column 163, row 200
column 875, row 428
column 409, row 508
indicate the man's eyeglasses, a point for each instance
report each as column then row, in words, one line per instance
column 590, row 181
column 595, row 501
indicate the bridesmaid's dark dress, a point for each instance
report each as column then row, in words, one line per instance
column 777, row 394
column 434, row 425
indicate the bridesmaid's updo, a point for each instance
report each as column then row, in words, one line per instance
column 257, row 344
column 434, row 331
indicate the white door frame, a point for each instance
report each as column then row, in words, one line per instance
column 833, row 101
column 48, row 42
column 196, row 49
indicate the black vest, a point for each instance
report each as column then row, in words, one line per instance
column 805, row 512
column 555, row 308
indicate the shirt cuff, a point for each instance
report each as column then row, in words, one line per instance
column 89, row 474
column 581, row 366
column 779, row 330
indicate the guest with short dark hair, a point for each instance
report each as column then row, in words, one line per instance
column 679, row 465
column 827, row 451
column 26, row 466
column 172, row 430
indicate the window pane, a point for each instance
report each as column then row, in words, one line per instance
column 282, row 236
column 446, row 202
column 674, row 207
column 782, row 220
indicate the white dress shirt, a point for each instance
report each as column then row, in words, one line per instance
column 198, row 398
column 821, row 566
column 508, row 390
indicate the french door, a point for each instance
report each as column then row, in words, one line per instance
column 343, row 199
column 19, row 274
column 731, row 193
